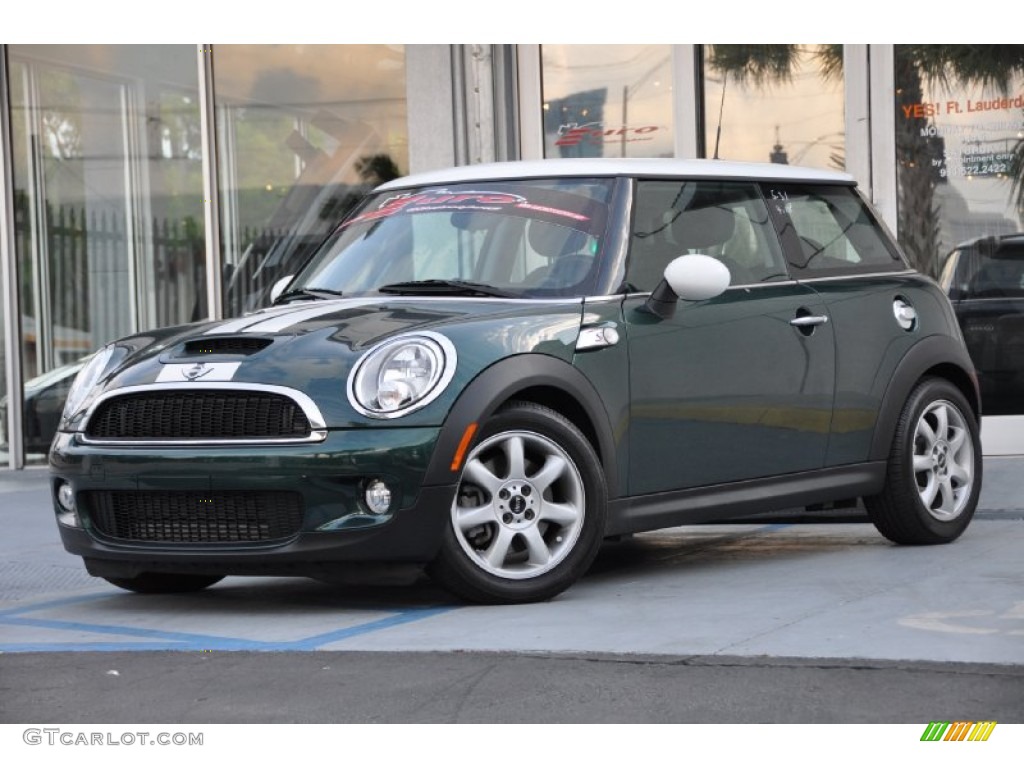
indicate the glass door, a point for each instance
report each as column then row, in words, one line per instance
column 107, row 205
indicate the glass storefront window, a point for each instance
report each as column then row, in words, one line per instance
column 775, row 103
column 959, row 128
column 607, row 100
column 303, row 132
column 960, row 183
column 108, row 205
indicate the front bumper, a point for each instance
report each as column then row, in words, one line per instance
column 333, row 526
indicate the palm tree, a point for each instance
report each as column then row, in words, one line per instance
column 989, row 66
column 948, row 66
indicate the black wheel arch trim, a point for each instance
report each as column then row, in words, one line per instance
column 929, row 353
column 501, row 382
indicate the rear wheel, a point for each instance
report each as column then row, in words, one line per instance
column 529, row 513
column 164, row 583
column 933, row 477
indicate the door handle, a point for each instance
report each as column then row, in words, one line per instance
column 806, row 321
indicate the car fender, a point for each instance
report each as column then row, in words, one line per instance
column 501, row 382
column 928, row 354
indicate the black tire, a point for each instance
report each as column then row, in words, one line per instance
column 555, row 506
column 164, row 583
column 934, row 503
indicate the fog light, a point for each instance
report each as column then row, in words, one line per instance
column 66, row 497
column 66, row 512
column 378, row 497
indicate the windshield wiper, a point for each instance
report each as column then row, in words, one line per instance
column 308, row 293
column 450, row 287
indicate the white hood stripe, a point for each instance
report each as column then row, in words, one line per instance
column 281, row 321
column 276, row 319
column 232, row 326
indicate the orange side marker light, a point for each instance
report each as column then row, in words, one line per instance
column 460, row 452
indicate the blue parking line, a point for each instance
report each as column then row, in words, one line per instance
column 65, row 647
column 406, row 617
column 115, row 629
column 32, row 607
column 162, row 640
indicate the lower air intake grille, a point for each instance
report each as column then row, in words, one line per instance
column 197, row 415
column 196, row 518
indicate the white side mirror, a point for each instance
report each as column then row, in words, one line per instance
column 279, row 287
column 694, row 277
column 697, row 277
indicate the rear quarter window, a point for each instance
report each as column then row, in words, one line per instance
column 829, row 230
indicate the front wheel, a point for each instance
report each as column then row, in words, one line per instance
column 529, row 513
column 933, row 477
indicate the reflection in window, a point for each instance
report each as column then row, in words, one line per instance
column 107, row 203
column 303, row 132
column 537, row 238
column 834, row 230
column 607, row 100
column 959, row 146
column 727, row 220
column 960, row 167
column 775, row 103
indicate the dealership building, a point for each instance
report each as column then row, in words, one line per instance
column 152, row 185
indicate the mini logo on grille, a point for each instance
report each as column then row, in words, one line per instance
column 197, row 371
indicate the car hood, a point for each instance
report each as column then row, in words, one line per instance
column 311, row 347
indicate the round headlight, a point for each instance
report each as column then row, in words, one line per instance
column 401, row 375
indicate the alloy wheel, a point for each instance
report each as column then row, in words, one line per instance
column 520, row 506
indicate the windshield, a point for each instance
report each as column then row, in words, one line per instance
column 536, row 238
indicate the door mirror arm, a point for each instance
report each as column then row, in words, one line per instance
column 662, row 301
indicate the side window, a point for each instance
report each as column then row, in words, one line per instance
column 829, row 230
column 727, row 220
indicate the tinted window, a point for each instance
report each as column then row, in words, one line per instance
column 727, row 220
column 985, row 271
column 829, row 230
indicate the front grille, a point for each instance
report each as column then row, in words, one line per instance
column 197, row 415
column 190, row 517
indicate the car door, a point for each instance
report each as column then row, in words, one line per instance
column 836, row 246
column 735, row 387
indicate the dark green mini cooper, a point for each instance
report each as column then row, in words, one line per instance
column 487, row 371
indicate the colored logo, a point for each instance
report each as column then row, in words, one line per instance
column 443, row 200
column 959, row 731
column 598, row 133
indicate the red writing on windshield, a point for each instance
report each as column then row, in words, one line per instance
column 441, row 199
column 444, row 200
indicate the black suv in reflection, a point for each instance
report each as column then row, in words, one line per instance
column 984, row 279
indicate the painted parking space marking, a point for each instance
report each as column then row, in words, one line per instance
column 160, row 639
column 962, row 622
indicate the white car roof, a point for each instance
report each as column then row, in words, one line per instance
column 648, row 167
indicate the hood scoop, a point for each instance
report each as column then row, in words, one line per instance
column 225, row 345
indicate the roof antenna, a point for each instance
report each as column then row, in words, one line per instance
column 721, row 106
